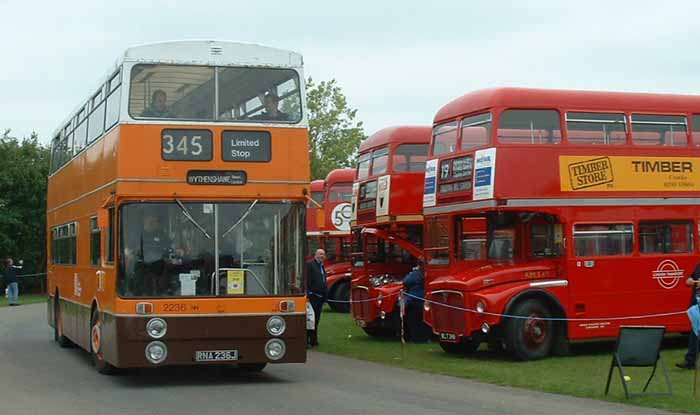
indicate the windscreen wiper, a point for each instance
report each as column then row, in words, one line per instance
column 191, row 219
column 245, row 215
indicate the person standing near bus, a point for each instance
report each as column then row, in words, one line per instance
column 317, row 292
column 692, row 354
column 11, row 282
column 414, row 284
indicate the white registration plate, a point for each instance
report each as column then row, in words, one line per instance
column 448, row 337
column 215, row 355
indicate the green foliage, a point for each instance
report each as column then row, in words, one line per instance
column 24, row 169
column 333, row 129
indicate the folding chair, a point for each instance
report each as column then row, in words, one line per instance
column 638, row 346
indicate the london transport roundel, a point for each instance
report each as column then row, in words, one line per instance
column 340, row 217
column 667, row 274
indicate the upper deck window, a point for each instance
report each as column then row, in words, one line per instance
column 316, row 197
column 363, row 166
column 259, row 95
column 529, row 127
column 445, row 138
column 410, row 158
column 476, row 131
column 696, row 130
column 659, row 130
column 340, row 192
column 596, row 128
column 380, row 161
column 188, row 93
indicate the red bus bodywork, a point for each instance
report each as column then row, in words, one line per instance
column 386, row 222
column 588, row 217
column 328, row 227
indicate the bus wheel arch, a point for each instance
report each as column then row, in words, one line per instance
column 58, row 334
column 533, row 338
column 96, row 341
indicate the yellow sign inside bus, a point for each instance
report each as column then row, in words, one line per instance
column 617, row 173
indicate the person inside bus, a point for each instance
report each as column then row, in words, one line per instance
column 159, row 106
column 692, row 353
column 272, row 112
column 148, row 253
column 414, row 285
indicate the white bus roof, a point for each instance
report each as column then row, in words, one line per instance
column 213, row 52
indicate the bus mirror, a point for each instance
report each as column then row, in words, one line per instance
column 103, row 218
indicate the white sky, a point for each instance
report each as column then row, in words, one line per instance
column 398, row 62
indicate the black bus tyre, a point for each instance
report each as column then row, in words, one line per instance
column 58, row 336
column 253, row 367
column 341, row 292
column 529, row 338
column 464, row 347
column 96, row 345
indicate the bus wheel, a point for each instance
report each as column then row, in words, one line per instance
column 341, row 292
column 96, row 345
column 464, row 347
column 253, row 367
column 58, row 336
column 530, row 338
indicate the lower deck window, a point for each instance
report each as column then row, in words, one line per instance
column 603, row 239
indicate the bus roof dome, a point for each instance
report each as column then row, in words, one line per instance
column 486, row 99
column 213, row 52
column 418, row 134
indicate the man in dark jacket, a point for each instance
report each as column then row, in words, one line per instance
column 691, row 354
column 317, row 291
column 10, row 277
column 416, row 330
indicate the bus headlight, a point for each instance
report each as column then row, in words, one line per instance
column 156, row 328
column 480, row 307
column 275, row 349
column 156, row 352
column 276, row 325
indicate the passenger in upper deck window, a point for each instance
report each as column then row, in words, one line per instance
column 272, row 112
column 158, row 107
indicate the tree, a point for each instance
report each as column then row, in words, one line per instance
column 25, row 168
column 334, row 132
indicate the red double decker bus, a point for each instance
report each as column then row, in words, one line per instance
column 572, row 211
column 328, row 227
column 387, row 222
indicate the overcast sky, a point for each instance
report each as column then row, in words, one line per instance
column 398, row 62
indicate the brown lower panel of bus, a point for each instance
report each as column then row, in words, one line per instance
column 242, row 336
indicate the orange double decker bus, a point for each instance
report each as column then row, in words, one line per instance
column 554, row 216
column 328, row 227
column 176, row 205
column 386, row 223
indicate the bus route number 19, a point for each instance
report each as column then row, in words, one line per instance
column 186, row 145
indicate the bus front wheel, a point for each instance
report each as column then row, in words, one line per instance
column 96, row 345
column 341, row 292
column 530, row 336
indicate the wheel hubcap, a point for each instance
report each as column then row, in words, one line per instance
column 535, row 331
column 96, row 337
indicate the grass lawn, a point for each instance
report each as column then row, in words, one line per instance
column 583, row 373
column 25, row 299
